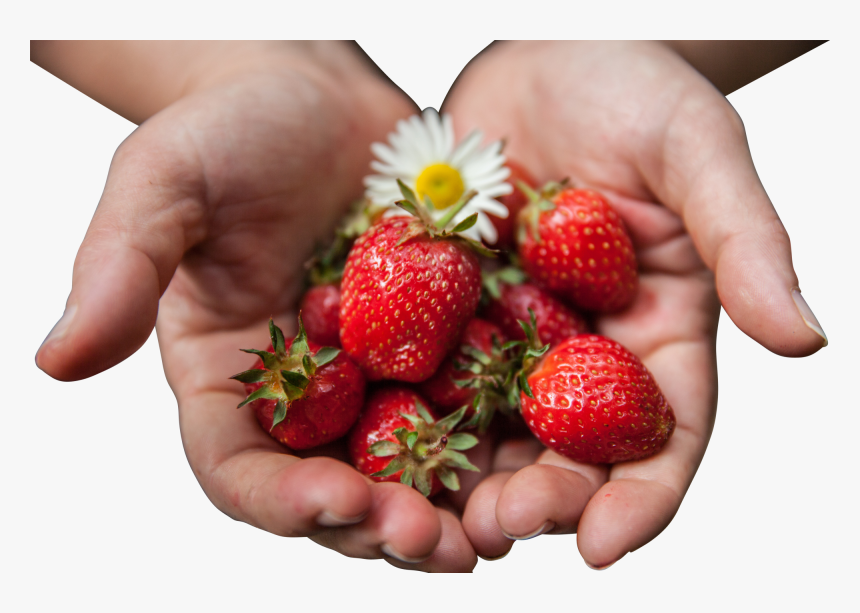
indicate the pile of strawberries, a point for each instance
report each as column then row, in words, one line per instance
column 413, row 338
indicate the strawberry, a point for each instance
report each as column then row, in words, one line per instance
column 510, row 299
column 572, row 242
column 515, row 201
column 476, row 368
column 303, row 395
column 592, row 400
column 321, row 307
column 398, row 439
column 409, row 288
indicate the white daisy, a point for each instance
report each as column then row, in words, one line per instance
column 422, row 155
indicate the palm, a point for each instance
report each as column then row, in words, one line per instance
column 601, row 119
column 267, row 165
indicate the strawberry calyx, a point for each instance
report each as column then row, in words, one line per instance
column 510, row 275
column 539, row 202
column 423, row 222
column 527, row 354
column 286, row 373
column 491, row 376
column 427, row 449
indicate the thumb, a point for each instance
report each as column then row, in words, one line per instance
column 129, row 254
column 708, row 178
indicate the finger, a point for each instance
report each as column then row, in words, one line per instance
column 642, row 497
column 514, row 454
column 453, row 554
column 149, row 213
column 547, row 497
column 401, row 525
column 248, row 476
column 658, row 234
column 479, row 518
column 251, row 478
column 704, row 172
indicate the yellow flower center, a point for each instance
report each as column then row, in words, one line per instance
column 441, row 183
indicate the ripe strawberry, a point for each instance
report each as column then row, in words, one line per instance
column 408, row 291
column 397, row 439
column 515, row 201
column 476, row 368
column 320, row 306
column 573, row 243
column 303, row 395
column 511, row 299
column 592, row 400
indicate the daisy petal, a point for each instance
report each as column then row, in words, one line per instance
column 466, row 149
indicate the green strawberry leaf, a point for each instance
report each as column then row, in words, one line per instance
column 524, row 386
column 406, row 476
column 300, row 343
column 461, row 441
column 407, row 192
column 296, row 379
column 395, row 465
column 269, row 359
column 447, row 424
column 467, row 223
column 252, row 376
column 325, row 355
column 448, row 477
column 423, row 412
column 277, row 338
column 422, row 482
column 279, row 415
column 476, row 354
column 384, row 449
column 412, row 419
column 455, row 459
column 410, row 440
column 408, row 207
column 400, row 434
column 264, row 392
column 511, row 275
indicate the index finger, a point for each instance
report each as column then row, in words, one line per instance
column 700, row 166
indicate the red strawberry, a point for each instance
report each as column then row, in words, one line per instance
column 592, row 400
column 515, row 201
column 320, row 307
column 303, row 395
column 477, row 366
column 573, row 243
column 397, row 439
column 511, row 301
column 408, row 291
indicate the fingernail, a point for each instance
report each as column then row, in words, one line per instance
column 599, row 567
column 333, row 520
column 391, row 552
column 496, row 558
column 549, row 525
column 61, row 327
column 808, row 316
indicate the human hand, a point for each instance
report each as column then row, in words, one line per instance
column 212, row 206
column 636, row 122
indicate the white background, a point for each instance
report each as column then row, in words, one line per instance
column 100, row 511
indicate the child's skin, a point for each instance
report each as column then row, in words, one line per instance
column 248, row 153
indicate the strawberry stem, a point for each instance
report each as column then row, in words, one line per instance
column 456, row 208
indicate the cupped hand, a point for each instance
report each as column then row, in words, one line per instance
column 209, row 211
column 636, row 122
